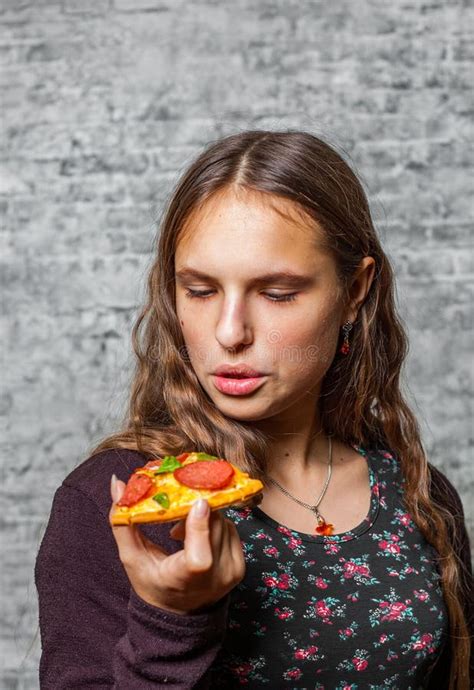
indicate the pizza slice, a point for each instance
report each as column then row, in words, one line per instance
column 164, row 490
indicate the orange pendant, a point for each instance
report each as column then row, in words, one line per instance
column 324, row 528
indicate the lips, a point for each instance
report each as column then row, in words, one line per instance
column 237, row 372
column 238, row 386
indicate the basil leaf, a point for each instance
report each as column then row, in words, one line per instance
column 205, row 456
column 162, row 499
column 168, row 464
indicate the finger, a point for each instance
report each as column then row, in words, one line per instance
column 178, row 531
column 117, row 487
column 197, row 544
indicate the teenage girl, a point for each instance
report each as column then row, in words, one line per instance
column 270, row 337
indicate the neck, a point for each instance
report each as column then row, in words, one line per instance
column 298, row 446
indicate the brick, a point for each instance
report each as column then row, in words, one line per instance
column 87, row 7
column 429, row 263
column 463, row 49
column 147, row 5
column 112, row 162
column 431, row 355
column 74, row 282
column 14, row 5
column 51, row 141
column 430, row 305
column 464, row 262
column 396, row 236
column 11, row 184
column 454, row 234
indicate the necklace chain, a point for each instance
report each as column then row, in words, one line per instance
column 313, row 508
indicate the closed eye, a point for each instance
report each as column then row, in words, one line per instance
column 272, row 297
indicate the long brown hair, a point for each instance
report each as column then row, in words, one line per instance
column 169, row 412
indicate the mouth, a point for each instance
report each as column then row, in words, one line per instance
column 238, row 385
column 239, row 376
column 237, row 372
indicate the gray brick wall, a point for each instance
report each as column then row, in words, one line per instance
column 104, row 102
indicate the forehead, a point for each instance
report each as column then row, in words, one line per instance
column 250, row 230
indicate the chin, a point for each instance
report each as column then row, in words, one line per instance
column 244, row 410
column 245, row 417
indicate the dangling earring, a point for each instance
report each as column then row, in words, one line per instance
column 345, row 345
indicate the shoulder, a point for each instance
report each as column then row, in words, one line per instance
column 386, row 462
column 444, row 493
column 441, row 489
column 92, row 477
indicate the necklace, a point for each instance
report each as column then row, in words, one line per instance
column 322, row 527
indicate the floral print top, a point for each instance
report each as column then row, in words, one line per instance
column 360, row 609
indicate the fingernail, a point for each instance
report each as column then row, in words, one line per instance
column 200, row 507
column 113, row 488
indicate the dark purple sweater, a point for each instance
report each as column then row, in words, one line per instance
column 96, row 631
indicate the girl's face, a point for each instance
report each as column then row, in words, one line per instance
column 235, row 313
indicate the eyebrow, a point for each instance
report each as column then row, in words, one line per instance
column 290, row 278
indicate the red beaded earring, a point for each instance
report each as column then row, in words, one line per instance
column 345, row 345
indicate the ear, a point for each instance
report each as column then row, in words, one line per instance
column 359, row 288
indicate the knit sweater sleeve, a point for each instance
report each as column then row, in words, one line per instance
column 95, row 630
column 444, row 493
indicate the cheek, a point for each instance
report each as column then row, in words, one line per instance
column 195, row 340
column 186, row 321
column 307, row 346
column 185, row 324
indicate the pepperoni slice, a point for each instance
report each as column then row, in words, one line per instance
column 205, row 474
column 137, row 488
column 181, row 458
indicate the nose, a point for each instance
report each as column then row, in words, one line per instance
column 233, row 329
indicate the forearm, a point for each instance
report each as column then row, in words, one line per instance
column 95, row 631
column 161, row 648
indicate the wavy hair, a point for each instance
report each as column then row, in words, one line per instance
column 169, row 412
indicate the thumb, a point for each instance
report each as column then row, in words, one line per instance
column 197, row 543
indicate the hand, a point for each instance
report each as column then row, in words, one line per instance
column 209, row 566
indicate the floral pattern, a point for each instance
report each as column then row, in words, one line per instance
column 361, row 609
